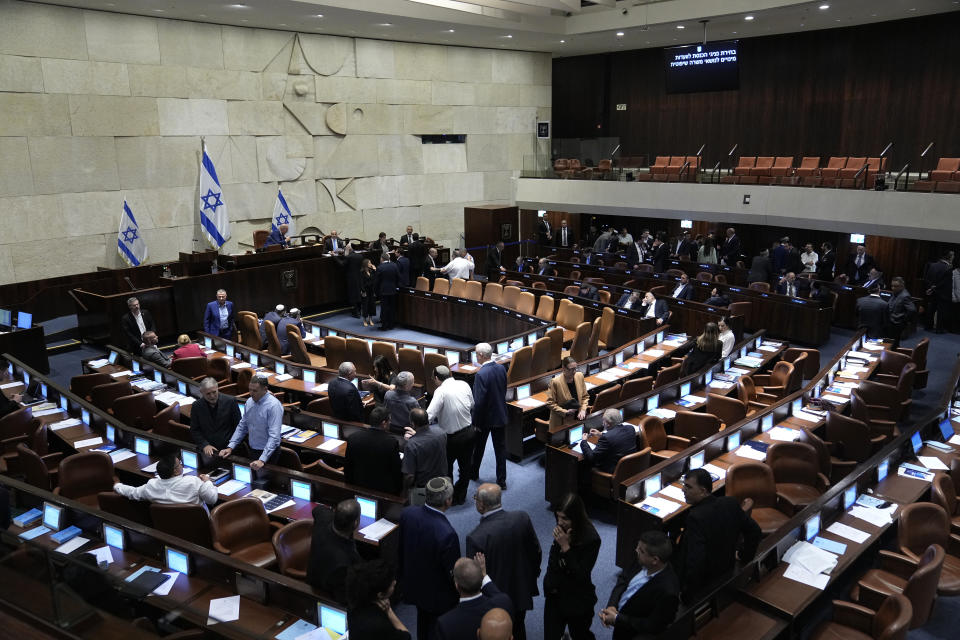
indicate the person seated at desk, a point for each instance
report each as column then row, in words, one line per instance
column 790, row 286
column 654, row 308
column 717, row 299
column 683, row 290
column 872, row 313
column 332, row 549
column 874, row 278
column 399, row 402
column 150, row 351
column 617, row 440
column 372, row 460
column 544, row 268
column 218, row 318
column 292, row 319
column 171, row 487
column 567, row 394
column 213, row 419
column 645, row 599
column 712, row 532
column 727, row 339
column 588, row 291
column 187, row 349
column 11, row 404
column 275, row 316
column 382, row 380
column 707, row 349
column 333, row 243
column 278, row 235
column 425, row 456
column 344, row 397
column 478, row 595
column 521, row 265
column 629, row 300
column 134, row 324
column 260, row 425
column 370, row 586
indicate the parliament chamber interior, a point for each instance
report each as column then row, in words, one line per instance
column 691, row 269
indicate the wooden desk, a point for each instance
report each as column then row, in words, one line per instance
column 28, row 345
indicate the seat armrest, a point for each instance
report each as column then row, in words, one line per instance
column 783, row 500
column 869, row 597
column 52, row 460
column 766, row 396
column 897, row 564
column 275, row 525
column 886, row 378
column 823, row 482
column 853, row 615
column 904, row 351
column 219, row 547
column 677, row 443
column 10, row 444
column 954, row 544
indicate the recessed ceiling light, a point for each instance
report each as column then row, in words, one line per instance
column 385, row 24
column 158, row 10
column 282, row 24
column 508, row 36
column 748, row 18
column 237, row 6
column 451, row 31
column 562, row 41
column 680, row 26
column 734, row 32
column 619, row 34
column 319, row 15
column 824, row 7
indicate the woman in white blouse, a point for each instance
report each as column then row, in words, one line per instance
column 726, row 338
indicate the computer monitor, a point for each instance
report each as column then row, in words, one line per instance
column 502, row 347
column 726, row 363
column 158, row 376
column 743, row 351
column 531, row 338
column 230, row 350
column 685, row 389
column 708, row 377
column 178, row 561
column 189, row 459
column 112, row 358
column 182, row 387
column 52, row 516
column 796, row 406
column 916, row 441
column 331, row 430
column 882, row 469
column 333, row 333
column 26, row 381
column 696, row 460
column 811, row 527
column 946, row 428
column 243, row 407
column 427, row 350
column 332, row 619
column 254, row 360
column 5, row 318
column 356, row 382
column 452, row 358
column 141, row 446
column 575, row 435
column 849, row 496
column 651, row 485
column 113, row 536
column 111, row 433
column 653, row 402
column 65, row 403
column 523, row 391
column 733, row 441
column 242, row 473
column 368, row 507
column 618, row 359
column 208, row 343
column 309, row 376
column 301, row 490
column 767, row 422
column 280, row 368
column 85, row 416
column 135, row 366
column 24, row 320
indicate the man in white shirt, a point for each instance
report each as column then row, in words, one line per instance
column 459, row 267
column 451, row 409
column 171, row 487
column 809, row 259
column 726, row 337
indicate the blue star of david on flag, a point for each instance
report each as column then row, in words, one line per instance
column 282, row 215
column 130, row 243
column 130, row 235
column 210, row 195
column 214, row 220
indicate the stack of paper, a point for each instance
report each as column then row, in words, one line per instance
column 878, row 517
column 283, row 377
column 768, row 347
column 720, row 384
column 748, row 361
column 241, row 365
column 658, row 506
column 330, row 444
column 654, row 353
column 301, row 436
column 378, row 529
column 96, row 364
column 931, row 462
column 530, row 402
column 715, row 470
column 88, row 442
column 121, row 374
column 749, row 452
column 784, row 434
column 45, row 412
column 224, row 610
column 663, row 414
column 635, row 364
column 806, row 416
column 121, row 454
column 693, row 399
column 673, row 491
column 848, row 532
column 230, row 487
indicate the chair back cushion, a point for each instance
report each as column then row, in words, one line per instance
column 188, row 521
column 292, row 545
column 239, row 524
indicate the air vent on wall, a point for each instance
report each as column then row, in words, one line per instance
column 450, row 138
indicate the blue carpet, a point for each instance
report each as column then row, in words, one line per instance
column 346, row 322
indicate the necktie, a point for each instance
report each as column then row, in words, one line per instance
column 790, row 290
column 860, row 261
column 564, row 236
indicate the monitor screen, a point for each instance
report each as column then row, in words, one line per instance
column 24, row 320
column 767, row 423
column 300, row 490
column 315, row 332
column 501, row 347
column 113, row 536
column 743, row 351
column 309, row 376
column 575, row 435
column 653, row 402
column 796, row 406
column 531, row 338
column 882, row 470
column 726, row 363
column 182, row 387
column 849, row 496
column 208, row 343
column 332, row 619
column 712, row 66
column 158, row 377
column 64, row 403
column 651, row 485
column 708, row 377
column 254, row 360
column 523, row 391
column 356, row 382
column 331, row 430
column 916, row 441
column 135, row 366
column 619, row 358
column 811, row 527
column 430, row 350
column 112, row 358
column 733, row 441
column 659, row 337
column 279, row 368
column 51, row 516
column 243, row 407
column 242, row 473
column 85, row 417
column 452, row 358
column 26, row 379
column 189, row 459
column 333, row 333
column 229, row 350
column 111, row 433
column 5, row 317
column 685, row 389
column 946, row 427
column 368, row 507
column 178, row 561
column 142, row 446
column 696, row 460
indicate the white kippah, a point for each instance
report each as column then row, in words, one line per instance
column 294, row 311
column 279, row 308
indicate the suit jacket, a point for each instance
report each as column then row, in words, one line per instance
column 387, row 278
column 660, row 256
column 615, row 443
column 686, row 293
column 778, row 258
column 601, row 243
column 510, row 544
column 331, row 555
column 373, row 461
column 489, row 396
column 369, row 622
column 345, row 400
column 463, row 620
column 760, row 270
column 792, row 262
column 660, row 309
column 211, row 318
column 878, row 281
column 559, row 398
column 623, row 300
column 214, row 425
column 543, row 228
column 859, row 274
column 282, row 332
column 826, row 265
column 132, row 332
column 328, row 244
column 939, row 278
column 687, row 248
column 800, row 287
column 275, row 237
column 558, row 237
column 492, row 264
column 403, row 265
column 872, row 314
column 429, row 547
column 651, row 609
column 568, row 580
column 154, row 355
column 633, row 255
column 730, row 250
column 719, row 300
column 406, row 240
column 709, row 542
column 900, row 308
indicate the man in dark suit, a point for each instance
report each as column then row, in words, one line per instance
column 778, row 257
column 686, row 246
column 730, row 249
column 872, row 313
column 418, row 256
column 616, row 440
column 939, row 293
column 859, row 265
column 717, row 299
column 509, row 544
column 792, row 260
column 213, row 420
column 790, row 286
column 760, row 268
column 373, row 456
column 333, row 243
column 278, row 235
column 429, row 549
column 478, row 594
column 408, row 238
column 713, row 531
column 332, row 549
column 874, row 279
column 403, row 265
column 660, row 255
column 218, row 317
column 430, row 264
column 544, row 233
column 293, row 318
column 493, row 266
column 644, row 601
column 654, row 308
column 683, row 289
column 387, row 279
column 134, row 324
column 828, row 262
column 589, row 291
column 564, row 235
column 344, row 397
column 490, row 411
column 630, row 300
column 900, row 310
column 274, row 316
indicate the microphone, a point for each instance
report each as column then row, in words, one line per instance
column 885, row 149
column 738, row 144
column 929, row 146
column 702, row 147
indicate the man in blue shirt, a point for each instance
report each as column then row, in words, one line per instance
column 260, row 424
column 278, row 236
column 219, row 318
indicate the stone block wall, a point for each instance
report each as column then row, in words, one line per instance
column 98, row 107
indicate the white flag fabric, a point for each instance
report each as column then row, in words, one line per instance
column 282, row 215
column 130, row 243
column 213, row 211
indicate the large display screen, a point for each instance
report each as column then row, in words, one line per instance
column 714, row 66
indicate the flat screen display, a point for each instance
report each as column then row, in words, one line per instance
column 714, row 66
column 696, row 460
column 332, row 619
column 24, row 320
column 309, row 376
column 242, row 473
column 5, row 317
column 331, row 430
column 113, row 536
column 300, row 490
column 189, row 458
column 229, row 350
column 523, row 391
column 51, row 516
column 368, row 508
column 141, row 446
column 178, row 561
column 575, row 435
column 254, row 360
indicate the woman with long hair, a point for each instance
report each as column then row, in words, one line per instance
column 568, row 590
column 706, row 350
column 383, row 379
column 370, row 586
column 707, row 254
column 368, row 302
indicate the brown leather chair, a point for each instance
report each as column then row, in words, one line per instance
column 260, row 238
column 243, row 381
column 423, row 284
column 35, row 468
column 335, row 351
column 811, row 365
column 160, row 423
column 556, row 336
column 519, row 365
column 321, row 406
column 898, row 574
column 607, row 320
column 748, row 394
column 175, row 430
column 412, row 360
column 299, row 352
column 823, row 452
column 796, row 472
column 728, row 409
column 219, row 368
column 849, row 442
column 635, row 387
column 104, row 395
column 754, row 480
column 83, row 475
column 879, row 428
column 569, row 317
column 493, row 293
column 695, row 425
column 943, row 493
column 433, row 360
column 919, row 356
column 458, row 287
column 358, row 352
column 242, row 530
column 526, row 303
column 886, row 401
column 473, row 290
column 855, row 622
column 188, row 521
column 288, row 459
column 511, row 296
column 777, row 383
column 194, row 368
column 132, row 510
column 320, row 468
column 136, row 410
column 545, row 308
column 662, row 445
column 923, row 524
column 292, row 546
column 760, row 286
column 540, row 362
column 744, row 309
column 83, row 385
column 442, row 286
column 571, row 290
column 744, row 165
column 890, row 366
column 608, row 485
column 667, row 375
column 15, row 427
column 388, row 350
column 274, row 347
column 606, row 398
column 579, row 349
column 705, row 276
column 593, row 343
column 249, row 330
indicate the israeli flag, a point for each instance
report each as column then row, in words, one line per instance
column 282, row 215
column 213, row 210
column 130, row 244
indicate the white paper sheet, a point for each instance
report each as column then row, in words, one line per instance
column 873, row 516
column 813, row 559
column 954, row 439
column 378, row 529
column 47, row 412
column 830, row 397
column 103, row 554
column 663, row 414
column 241, row 365
column 121, row 374
column 64, row 424
column 784, row 434
column 807, row 417
column 751, row 453
column 673, row 491
column 230, row 487
column 636, row 364
column 530, row 403
column 659, row 507
column 150, row 468
column 283, row 377
column 89, row 442
column 715, row 470
column 10, row 385
column 164, row 589
column 121, row 454
column 72, row 545
column 654, row 353
column 330, row 444
column 848, row 532
column 224, row 610
column 931, row 462
column 797, row 573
